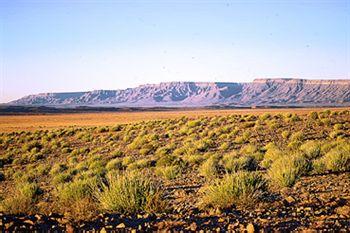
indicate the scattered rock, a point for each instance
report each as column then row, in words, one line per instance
column 250, row 228
column 8, row 225
column 193, row 226
column 121, row 225
column 28, row 221
column 221, row 220
column 290, row 199
column 38, row 217
column 69, row 228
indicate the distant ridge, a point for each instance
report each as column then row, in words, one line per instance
column 260, row 92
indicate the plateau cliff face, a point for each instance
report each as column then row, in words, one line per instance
column 260, row 92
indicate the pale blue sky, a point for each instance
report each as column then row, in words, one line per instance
column 55, row 46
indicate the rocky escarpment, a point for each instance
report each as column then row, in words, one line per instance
column 260, row 92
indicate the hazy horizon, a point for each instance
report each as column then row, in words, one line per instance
column 63, row 46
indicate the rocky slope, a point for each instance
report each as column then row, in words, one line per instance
column 260, row 92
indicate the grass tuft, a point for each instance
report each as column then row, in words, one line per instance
column 22, row 200
column 242, row 188
column 336, row 160
column 286, row 170
column 129, row 193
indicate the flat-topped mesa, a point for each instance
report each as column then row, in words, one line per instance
column 275, row 80
column 329, row 82
column 265, row 92
column 177, row 83
column 303, row 81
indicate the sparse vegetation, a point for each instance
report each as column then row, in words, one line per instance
column 75, row 199
column 159, row 166
column 336, row 160
column 240, row 188
column 210, row 168
column 169, row 172
column 21, row 200
column 287, row 169
column 129, row 193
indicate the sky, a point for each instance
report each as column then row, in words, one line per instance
column 76, row 45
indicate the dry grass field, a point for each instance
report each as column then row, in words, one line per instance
column 9, row 123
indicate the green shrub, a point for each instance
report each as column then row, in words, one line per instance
column 336, row 160
column 75, row 200
column 117, row 128
column 273, row 124
column 225, row 146
column 272, row 154
column 313, row 115
column 253, row 151
column 338, row 127
column 163, row 151
column 137, row 143
column 240, row 140
column 32, row 145
column 147, row 149
column 248, row 125
column 234, row 163
column 82, row 166
column 295, row 118
column 139, row 164
column 169, row 172
column 35, row 157
column 127, row 160
column 296, row 140
column 204, row 145
column 66, row 150
column 114, row 164
column 58, row 168
column 242, row 188
column 194, row 159
column 297, row 136
column 166, row 160
column 117, row 153
column 285, row 134
column 102, row 129
column 130, row 193
column 286, row 170
column 22, row 200
column 326, row 121
column 312, row 149
column 265, row 116
column 193, row 123
column 318, row 166
column 210, row 168
column 61, row 178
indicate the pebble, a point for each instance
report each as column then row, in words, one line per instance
column 121, row 225
column 193, row 226
column 250, row 228
column 290, row 199
column 28, row 221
